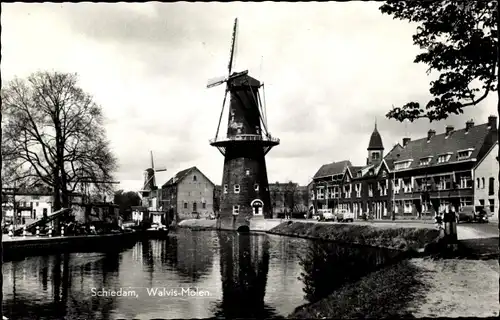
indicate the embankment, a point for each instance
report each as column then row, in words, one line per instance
column 398, row 236
column 390, row 237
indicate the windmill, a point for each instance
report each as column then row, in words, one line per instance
column 149, row 178
column 244, row 177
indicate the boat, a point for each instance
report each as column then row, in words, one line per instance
column 156, row 231
column 20, row 247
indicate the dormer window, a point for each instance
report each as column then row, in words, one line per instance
column 444, row 157
column 236, row 188
column 403, row 164
column 464, row 154
column 425, row 161
column 225, row 188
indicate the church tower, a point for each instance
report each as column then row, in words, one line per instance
column 375, row 148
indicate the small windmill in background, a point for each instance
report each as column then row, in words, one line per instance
column 149, row 178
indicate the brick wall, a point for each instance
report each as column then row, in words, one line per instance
column 244, row 165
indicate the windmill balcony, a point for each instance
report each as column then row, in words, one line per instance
column 246, row 137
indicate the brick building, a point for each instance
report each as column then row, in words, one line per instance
column 457, row 167
column 189, row 194
column 439, row 170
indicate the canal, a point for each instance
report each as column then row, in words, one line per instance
column 193, row 274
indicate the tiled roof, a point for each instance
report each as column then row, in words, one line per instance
column 178, row 177
column 182, row 174
column 458, row 140
column 332, row 168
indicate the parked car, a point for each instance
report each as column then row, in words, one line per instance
column 344, row 215
column 326, row 215
column 466, row 213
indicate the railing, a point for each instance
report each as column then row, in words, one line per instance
column 247, row 137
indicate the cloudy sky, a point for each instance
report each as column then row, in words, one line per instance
column 330, row 70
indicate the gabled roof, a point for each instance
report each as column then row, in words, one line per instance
column 393, row 154
column 333, row 168
column 439, row 144
column 183, row 174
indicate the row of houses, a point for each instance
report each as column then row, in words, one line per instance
column 457, row 167
column 191, row 194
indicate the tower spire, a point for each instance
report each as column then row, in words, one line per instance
column 375, row 123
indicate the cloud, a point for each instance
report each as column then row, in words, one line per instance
column 330, row 69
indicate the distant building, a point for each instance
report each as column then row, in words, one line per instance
column 31, row 204
column 189, row 194
column 288, row 197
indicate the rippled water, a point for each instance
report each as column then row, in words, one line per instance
column 229, row 275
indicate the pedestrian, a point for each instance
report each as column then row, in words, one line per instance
column 217, row 217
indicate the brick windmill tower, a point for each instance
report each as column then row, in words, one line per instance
column 245, row 188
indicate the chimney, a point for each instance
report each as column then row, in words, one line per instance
column 405, row 141
column 448, row 130
column 469, row 124
column 431, row 133
column 492, row 122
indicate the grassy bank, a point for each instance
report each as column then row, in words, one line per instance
column 399, row 238
column 390, row 292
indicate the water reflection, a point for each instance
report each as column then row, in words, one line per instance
column 48, row 288
column 247, row 276
column 327, row 266
column 244, row 263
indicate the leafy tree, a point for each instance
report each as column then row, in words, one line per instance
column 460, row 42
column 125, row 200
column 53, row 134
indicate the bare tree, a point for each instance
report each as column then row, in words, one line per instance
column 53, row 134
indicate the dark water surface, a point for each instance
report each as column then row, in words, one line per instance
column 201, row 274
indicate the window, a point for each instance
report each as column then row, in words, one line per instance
column 425, row 161
column 194, row 178
column 358, row 190
column 400, row 165
column 477, row 183
column 483, row 182
column 185, row 205
column 37, row 204
column 375, row 156
column 225, row 188
column 203, row 205
column 481, row 202
column 443, row 183
column 397, row 185
column 465, row 181
column 194, row 207
column 347, row 190
column 236, row 210
column 256, row 187
column 407, row 185
column 464, row 154
column 247, row 172
column 370, row 190
column 407, row 206
column 491, row 189
column 236, row 188
column 492, row 205
column 444, row 158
